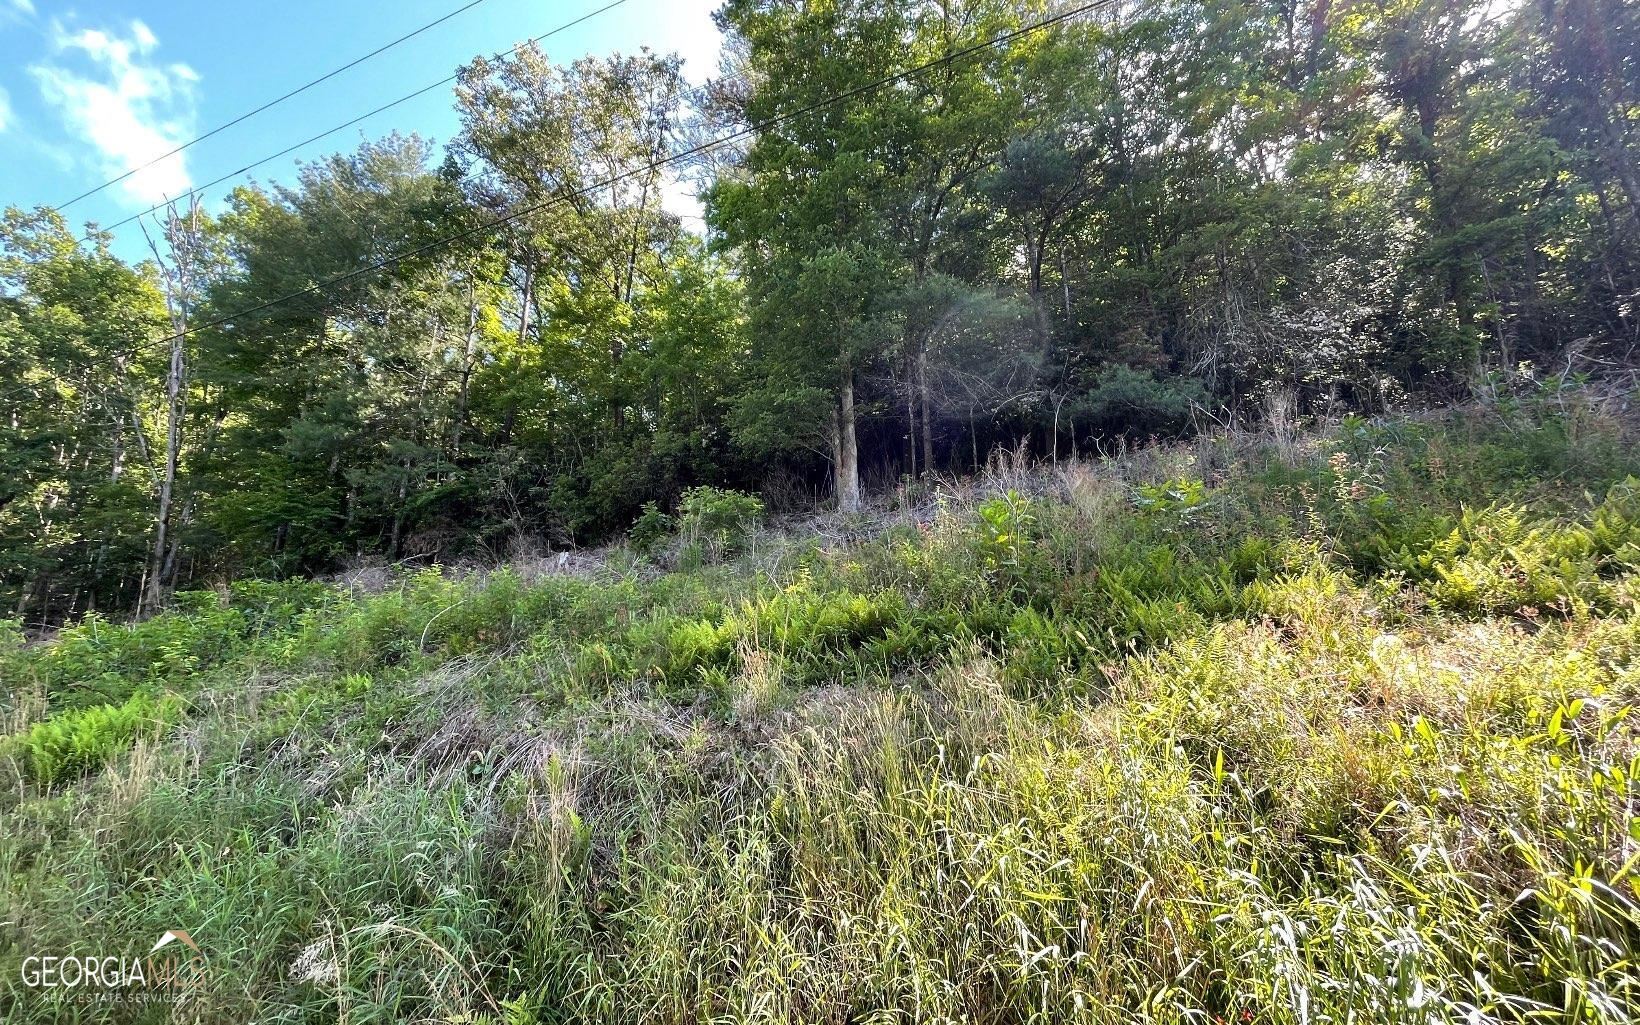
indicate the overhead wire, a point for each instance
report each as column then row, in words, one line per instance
column 197, row 190
column 272, row 103
column 550, row 202
column 749, row 130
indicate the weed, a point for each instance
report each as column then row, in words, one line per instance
column 1293, row 728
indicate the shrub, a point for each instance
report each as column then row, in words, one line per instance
column 1137, row 402
column 13, row 656
column 274, row 606
column 96, row 661
column 650, row 529
column 714, row 522
column 1173, row 501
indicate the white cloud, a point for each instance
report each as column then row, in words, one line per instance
column 23, row 6
column 128, row 107
column 5, row 110
column 686, row 27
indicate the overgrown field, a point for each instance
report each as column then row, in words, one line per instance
column 1335, row 728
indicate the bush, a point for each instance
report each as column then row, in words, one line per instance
column 1005, row 523
column 96, row 661
column 714, row 522
column 650, row 529
column 1137, row 403
column 13, row 656
column 1172, row 501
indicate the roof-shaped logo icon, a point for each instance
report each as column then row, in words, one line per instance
column 176, row 936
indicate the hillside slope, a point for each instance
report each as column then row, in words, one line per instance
column 1331, row 728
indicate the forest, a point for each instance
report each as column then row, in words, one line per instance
column 1121, row 512
column 931, row 228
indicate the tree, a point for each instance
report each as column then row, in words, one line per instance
column 76, row 327
column 568, row 154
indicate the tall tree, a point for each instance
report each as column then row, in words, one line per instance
column 76, row 333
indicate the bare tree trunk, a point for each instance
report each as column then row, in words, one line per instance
column 462, row 396
column 118, row 467
column 142, row 439
column 927, row 414
column 42, row 580
column 394, row 547
column 182, row 236
column 1057, row 402
column 168, row 475
column 1065, row 282
column 910, row 418
column 119, row 452
column 1616, row 153
column 524, row 305
column 617, row 411
column 847, row 446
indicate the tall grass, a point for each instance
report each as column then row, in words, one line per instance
column 1330, row 727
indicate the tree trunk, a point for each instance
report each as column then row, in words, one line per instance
column 523, row 337
column 927, row 413
column 617, row 410
column 462, row 397
column 1033, row 258
column 168, row 475
column 394, row 546
column 911, row 417
column 118, row 467
column 1057, row 403
column 847, row 446
column 1615, row 151
column 1065, row 282
column 182, row 235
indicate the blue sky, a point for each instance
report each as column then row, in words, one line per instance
column 89, row 89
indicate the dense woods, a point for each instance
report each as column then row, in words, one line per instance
column 1139, row 219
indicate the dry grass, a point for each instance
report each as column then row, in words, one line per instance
column 1034, row 747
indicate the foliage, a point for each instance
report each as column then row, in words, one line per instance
column 650, row 528
column 1137, row 402
column 715, row 522
column 1098, row 232
column 1005, row 522
column 1338, row 781
column 1177, row 500
column 72, row 742
column 714, row 512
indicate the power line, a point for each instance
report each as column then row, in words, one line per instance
column 734, row 136
column 349, row 124
column 545, row 204
column 763, row 126
column 274, row 102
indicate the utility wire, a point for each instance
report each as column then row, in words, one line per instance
column 724, row 140
column 763, row 126
column 349, row 124
column 274, row 102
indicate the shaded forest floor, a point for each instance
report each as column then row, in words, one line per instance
column 1276, row 728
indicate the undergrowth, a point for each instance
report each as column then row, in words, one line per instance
column 1331, row 731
